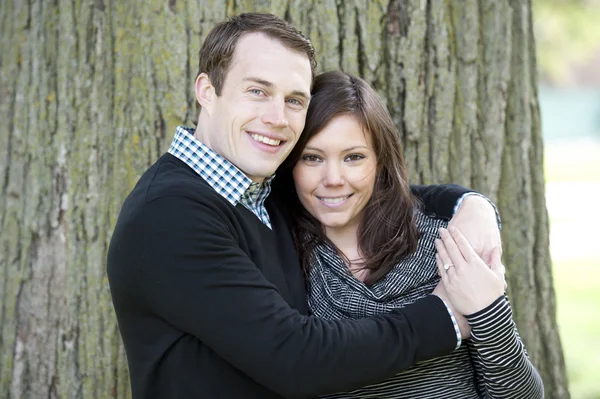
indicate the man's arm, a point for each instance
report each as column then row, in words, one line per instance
column 470, row 212
column 197, row 278
column 439, row 199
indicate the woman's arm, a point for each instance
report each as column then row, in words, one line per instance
column 501, row 363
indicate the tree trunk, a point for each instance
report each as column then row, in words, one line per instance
column 92, row 90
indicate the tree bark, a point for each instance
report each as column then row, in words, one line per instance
column 92, row 91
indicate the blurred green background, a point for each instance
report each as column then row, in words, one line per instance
column 572, row 192
column 568, row 46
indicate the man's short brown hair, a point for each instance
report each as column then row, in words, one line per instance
column 220, row 44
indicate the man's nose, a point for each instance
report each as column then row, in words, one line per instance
column 274, row 114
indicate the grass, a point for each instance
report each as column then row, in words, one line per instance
column 577, row 284
column 573, row 185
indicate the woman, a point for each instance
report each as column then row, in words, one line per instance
column 367, row 248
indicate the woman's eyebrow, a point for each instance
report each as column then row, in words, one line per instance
column 309, row 148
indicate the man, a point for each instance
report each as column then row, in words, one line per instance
column 205, row 281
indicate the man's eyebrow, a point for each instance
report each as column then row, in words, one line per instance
column 270, row 85
column 260, row 81
column 302, row 94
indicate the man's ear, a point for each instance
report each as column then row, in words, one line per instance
column 205, row 92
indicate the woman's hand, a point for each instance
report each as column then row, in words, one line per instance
column 470, row 284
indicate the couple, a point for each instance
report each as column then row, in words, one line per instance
column 211, row 298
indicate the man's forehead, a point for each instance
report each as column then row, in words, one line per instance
column 263, row 59
column 249, row 41
column 256, row 45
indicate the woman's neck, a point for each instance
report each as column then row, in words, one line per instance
column 346, row 241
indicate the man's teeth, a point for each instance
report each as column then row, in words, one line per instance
column 333, row 201
column 265, row 140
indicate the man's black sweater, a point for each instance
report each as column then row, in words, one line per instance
column 211, row 303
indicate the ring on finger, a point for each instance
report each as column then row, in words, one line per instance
column 448, row 266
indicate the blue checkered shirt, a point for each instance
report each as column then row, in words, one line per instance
column 223, row 176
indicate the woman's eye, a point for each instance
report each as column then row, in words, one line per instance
column 310, row 158
column 354, row 157
column 258, row 92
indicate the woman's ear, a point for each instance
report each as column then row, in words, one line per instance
column 205, row 92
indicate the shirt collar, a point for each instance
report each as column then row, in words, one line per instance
column 223, row 176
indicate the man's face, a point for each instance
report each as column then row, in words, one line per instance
column 258, row 118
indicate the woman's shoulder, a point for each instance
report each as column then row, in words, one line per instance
column 427, row 222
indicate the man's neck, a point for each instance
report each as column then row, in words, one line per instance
column 200, row 137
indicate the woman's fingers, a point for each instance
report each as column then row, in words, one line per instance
column 453, row 253
column 440, row 266
column 496, row 264
column 471, row 285
column 445, row 260
column 463, row 245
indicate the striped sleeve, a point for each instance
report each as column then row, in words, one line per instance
column 499, row 357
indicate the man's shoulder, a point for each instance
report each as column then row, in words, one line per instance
column 169, row 177
column 169, row 184
column 170, row 195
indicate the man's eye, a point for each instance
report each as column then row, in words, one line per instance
column 257, row 92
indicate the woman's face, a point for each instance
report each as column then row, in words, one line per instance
column 335, row 175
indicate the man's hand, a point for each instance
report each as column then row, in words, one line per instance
column 476, row 219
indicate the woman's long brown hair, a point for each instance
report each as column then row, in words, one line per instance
column 387, row 232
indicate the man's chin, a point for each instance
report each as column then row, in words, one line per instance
column 260, row 174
